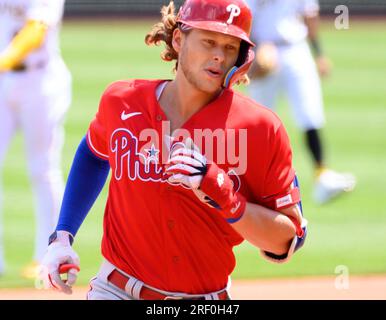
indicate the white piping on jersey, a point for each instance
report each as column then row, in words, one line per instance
column 92, row 146
column 160, row 89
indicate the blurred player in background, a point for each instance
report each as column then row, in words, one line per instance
column 284, row 62
column 35, row 93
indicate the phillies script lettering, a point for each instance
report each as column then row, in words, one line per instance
column 129, row 162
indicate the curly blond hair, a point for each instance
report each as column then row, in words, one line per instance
column 163, row 31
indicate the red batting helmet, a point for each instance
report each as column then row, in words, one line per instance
column 231, row 17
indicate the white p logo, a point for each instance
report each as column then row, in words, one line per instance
column 234, row 12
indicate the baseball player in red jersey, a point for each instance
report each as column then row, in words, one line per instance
column 196, row 169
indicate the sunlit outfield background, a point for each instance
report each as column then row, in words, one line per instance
column 349, row 231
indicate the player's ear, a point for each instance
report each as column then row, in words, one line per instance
column 177, row 40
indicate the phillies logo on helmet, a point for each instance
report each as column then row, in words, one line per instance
column 234, row 12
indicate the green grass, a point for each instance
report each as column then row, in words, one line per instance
column 350, row 231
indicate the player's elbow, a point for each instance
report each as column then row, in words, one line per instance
column 296, row 243
column 37, row 32
column 280, row 244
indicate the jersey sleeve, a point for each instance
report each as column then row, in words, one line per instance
column 308, row 7
column 281, row 191
column 278, row 190
column 97, row 132
column 49, row 12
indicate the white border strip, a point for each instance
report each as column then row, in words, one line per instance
column 94, row 149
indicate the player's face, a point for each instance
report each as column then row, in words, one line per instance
column 205, row 58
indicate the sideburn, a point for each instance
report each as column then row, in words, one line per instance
column 186, row 33
column 184, row 68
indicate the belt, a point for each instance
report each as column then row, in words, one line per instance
column 120, row 280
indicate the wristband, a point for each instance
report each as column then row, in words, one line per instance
column 54, row 236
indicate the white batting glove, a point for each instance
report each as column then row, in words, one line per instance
column 59, row 258
column 209, row 183
column 186, row 164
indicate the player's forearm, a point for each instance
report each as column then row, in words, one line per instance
column 86, row 180
column 312, row 24
column 27, row 40
column 266, row 229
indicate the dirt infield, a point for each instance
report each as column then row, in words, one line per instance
column 357, row 288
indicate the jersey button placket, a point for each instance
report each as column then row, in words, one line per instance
column 170, row 224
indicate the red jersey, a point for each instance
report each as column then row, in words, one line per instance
column 161, row 233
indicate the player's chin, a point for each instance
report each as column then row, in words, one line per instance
column 211, row 84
